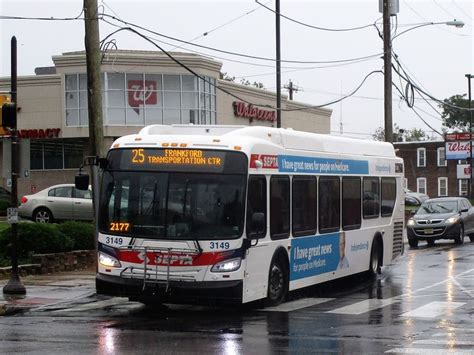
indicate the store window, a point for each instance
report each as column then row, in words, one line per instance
column 56, row 154
column 138, row 99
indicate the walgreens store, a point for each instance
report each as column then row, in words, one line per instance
column 139, row 88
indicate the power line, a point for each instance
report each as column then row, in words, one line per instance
column 239, row 54
column 317, row 27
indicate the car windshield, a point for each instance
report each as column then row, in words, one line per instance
column 438, row 207
column 170, row 205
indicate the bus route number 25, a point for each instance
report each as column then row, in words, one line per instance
column 219, row 245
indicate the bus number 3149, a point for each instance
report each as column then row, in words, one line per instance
column 219, row 245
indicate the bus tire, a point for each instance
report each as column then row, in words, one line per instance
column 375, row 265
column 277, row 282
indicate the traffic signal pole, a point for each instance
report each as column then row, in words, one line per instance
column 14, row 285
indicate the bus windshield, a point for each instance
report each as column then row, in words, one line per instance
column 168, row 205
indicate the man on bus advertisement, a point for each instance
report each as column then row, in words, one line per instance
column 318, row 255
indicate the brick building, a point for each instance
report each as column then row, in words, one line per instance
column 427, row 170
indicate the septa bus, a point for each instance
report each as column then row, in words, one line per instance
column 191, row 214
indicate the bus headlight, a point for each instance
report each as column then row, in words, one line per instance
column 411, row 222
column 227, row 265
column 452, row 220
column 108, row 261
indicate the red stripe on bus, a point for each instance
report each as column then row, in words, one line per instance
column 174, row 259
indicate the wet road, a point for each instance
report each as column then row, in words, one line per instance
column 422, row 304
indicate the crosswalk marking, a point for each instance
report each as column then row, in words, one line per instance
column 429, row 351
column 94, row 305
column 433, row 309
column 452, row 342
column 295, row 305
column 363, row 306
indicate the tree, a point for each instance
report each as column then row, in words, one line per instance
column 454, row 118
column 401, row 135
column 243, row 81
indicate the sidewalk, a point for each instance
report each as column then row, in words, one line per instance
column 47, row 290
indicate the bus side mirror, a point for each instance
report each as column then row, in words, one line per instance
column 257, row 224
column 81, row 181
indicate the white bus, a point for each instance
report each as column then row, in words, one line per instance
column 225, row 213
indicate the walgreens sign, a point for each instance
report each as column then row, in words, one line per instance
column 139, row 94
column 457, row 150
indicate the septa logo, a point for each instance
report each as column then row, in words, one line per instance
column 268, row 161
column 140, row 95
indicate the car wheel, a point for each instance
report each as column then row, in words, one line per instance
column 471, row 237
column 430, row 242
column 413, row 242
column 374, row 266
column 459, row 239
column 43, row 215
column 277, row 283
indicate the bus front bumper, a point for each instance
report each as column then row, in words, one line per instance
column 205, row 292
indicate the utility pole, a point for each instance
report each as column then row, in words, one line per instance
column 14, row 285
column 291, row 89
column 278, row 64
column 94, row 96
column 387, row 60
column 469, row 77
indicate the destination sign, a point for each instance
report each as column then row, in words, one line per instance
column 180, row 160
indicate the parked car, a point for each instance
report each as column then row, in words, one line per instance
column 441, row 218
column 414, row 198
column 58, row 202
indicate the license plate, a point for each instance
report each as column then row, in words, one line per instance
column 429, row 231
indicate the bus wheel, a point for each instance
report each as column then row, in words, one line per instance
column 277, row 283
column 374, row 266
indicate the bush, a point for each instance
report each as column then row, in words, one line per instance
column 81, row 233
column 39, row 238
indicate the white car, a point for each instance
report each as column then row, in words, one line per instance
column 58, row 202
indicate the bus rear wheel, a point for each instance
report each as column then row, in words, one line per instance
column 375, row 257
column 277, row 283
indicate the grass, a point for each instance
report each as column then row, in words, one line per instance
column 3, row 226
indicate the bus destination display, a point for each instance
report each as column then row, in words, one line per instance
column 180, row 160
column 188, row 157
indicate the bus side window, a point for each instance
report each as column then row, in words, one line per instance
column 371, row 201
column 389, row 195
column 256, row 207
column 351, row 205
column 279, row 207
column 329, row 204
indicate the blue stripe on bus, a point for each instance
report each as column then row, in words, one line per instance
column 298, row 164
column 314, row 255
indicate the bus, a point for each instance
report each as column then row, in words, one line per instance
column 208, row 213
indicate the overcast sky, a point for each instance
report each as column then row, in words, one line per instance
column 436, row 56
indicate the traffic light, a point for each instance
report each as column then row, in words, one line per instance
column 8, row 112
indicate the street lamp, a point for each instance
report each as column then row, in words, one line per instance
column 453, row 23
column 469, row 77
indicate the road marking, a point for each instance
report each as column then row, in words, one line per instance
column 429, row 351
column 452, row 342
column 433, row 309
column 363, row 306
column 94, row 305
column 295, row 305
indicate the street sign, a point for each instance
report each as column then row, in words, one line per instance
column 12, row 215
column 451, row 137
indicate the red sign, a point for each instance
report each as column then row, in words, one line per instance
column 241, row 109
column 39, row 133
column 457, row 137
column 267, row 161
column 139, row 95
